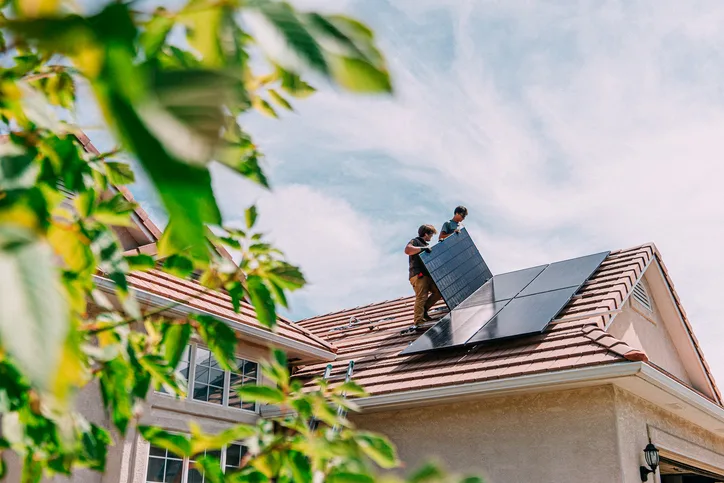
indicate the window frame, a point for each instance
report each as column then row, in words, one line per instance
column 186, row 462
column 191, row 381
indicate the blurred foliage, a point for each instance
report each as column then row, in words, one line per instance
column 173, row 88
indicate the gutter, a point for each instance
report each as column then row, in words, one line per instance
column 495, row 387
column 182, row 310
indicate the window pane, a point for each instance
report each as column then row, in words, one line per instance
column 250, row 369
column 249, row 406
column 202, row 374
column 195, row 475
column 234, row 454
column 156, row 451
column 201, row 392
column 216, row 394
column 154, row 472
column 216, row 377
column 202, row 357
column 173, row 471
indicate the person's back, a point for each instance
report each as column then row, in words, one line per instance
column 455, row 224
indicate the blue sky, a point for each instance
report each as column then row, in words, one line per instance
column 567, row 128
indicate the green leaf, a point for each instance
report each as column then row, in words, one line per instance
column 155, row 32
column 140, row 262
column 221, row 340
column 378, row 449
column 300, row 466
column 203, row 31
column 472, row 479
column 262, row 394
column 175, row 443
column 282, row 21
column 293, row 85
column 264, row 107
column 279, row 100
column 250, row 215
column 33, row 314
column 117, row 385
column 427, row 473
column 350, row 389
column 119, row 173
column 358, row 75
column 262, row 301
column 175, row 339
column 178, row 265
column 115, row 211
column 349, row 477
column 32, row 470
column 201, row 442
column 211, row 468
column 95, row 448
column 287, row 276
column 236, row 292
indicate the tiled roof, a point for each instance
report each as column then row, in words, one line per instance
column 196, row 296
column 575, row 339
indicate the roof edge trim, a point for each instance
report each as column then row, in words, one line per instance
column 253, row 332
column 548, row 380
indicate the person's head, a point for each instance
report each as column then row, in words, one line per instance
column 426, row 232
column 460, row 213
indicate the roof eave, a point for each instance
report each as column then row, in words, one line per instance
column 257, row 334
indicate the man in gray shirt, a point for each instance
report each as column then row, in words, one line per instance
column 454, row 225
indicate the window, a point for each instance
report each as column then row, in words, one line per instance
column 209, row 378
column 165, row 467
column 246, row 375
column 209, row 383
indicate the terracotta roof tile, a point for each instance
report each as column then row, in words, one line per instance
column 575, row 339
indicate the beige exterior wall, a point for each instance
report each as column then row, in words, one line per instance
column 557, row 437
column 646, row 330
column 637, row 420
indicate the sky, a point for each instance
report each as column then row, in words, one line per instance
column 566, row 128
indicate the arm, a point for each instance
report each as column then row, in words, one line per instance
column 411, row 249
column 443, row 235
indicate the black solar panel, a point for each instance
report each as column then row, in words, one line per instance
column 524, row 315
column 507, row 305
column 568, row 273
column 456, row 267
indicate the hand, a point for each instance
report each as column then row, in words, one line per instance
column 426, row 249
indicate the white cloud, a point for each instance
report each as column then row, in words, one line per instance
column 567, row 131
column 338, row 248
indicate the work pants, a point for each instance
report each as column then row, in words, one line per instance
column 426, row 295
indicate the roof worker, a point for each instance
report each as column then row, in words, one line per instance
column 455, row 224
column 426, row 292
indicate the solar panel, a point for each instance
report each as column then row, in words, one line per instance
column 524, row 315
column 454, row 329
column 507, row 305
column 456, row 267
column 568, row 273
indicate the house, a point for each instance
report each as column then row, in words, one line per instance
column 617, row 369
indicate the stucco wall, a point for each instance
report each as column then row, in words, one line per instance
column 644, row 329
column 557, row 437
column 637, row 419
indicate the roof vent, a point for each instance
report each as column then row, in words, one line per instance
column 642, row 296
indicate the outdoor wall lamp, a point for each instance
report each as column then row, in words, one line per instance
column 652, row 459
